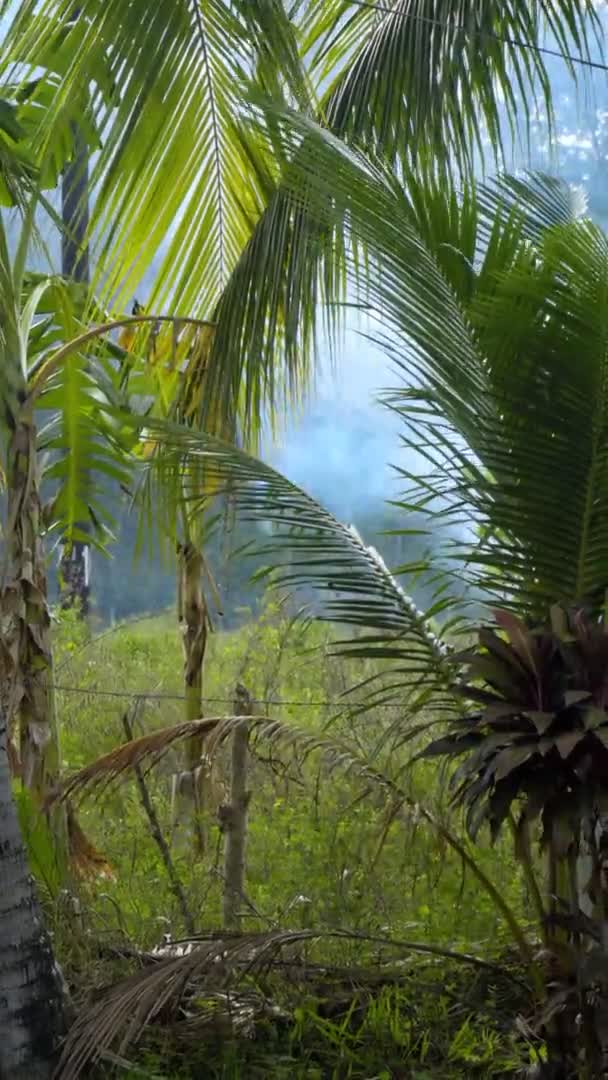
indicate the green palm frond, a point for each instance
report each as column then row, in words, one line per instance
column 308, row 548
column 437, row 77
column 87, row 453
column 165, row 120
column 415, row 85
column 493, row 308
column 171, row 171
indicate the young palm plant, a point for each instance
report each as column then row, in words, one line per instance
column 65, row 424
column 165, row 379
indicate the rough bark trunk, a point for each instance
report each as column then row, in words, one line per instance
column 74, row 571
column 25, row 633
column 191, row 787
column 26, row 637
column 233, row 815
column 31, row 999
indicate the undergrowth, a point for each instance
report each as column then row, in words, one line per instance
column 324, row 852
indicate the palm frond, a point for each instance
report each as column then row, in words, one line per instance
column 213, row 965
column 114, row 765
column 175, row 190
column 442, row 78
column 422, row 86
column 75, row 382
column 164, row 119
column 337, row 757
column 493, row 309
column 307, row 548
column 537, row 201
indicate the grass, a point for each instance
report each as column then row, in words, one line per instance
column 323, row 853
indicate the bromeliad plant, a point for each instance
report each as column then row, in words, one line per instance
column 539, row 740
column 536, row 750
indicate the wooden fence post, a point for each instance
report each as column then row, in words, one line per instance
column 233, row 814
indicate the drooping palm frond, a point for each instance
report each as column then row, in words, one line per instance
column 147, row 750
column 493, row 308
column 127, row 1008
column 425, row 86
column 307, row 547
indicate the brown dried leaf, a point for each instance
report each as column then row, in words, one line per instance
column 86, row 860
column 119, row 1018
column 148, row 750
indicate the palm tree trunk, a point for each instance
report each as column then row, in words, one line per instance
column 31, row 999
column 75, row 564
column 192, row 786
column 25, row 614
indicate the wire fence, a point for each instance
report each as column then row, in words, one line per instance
column 159, row 695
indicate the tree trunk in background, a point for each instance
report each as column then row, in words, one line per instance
column 75, row 563
column 31, row 999
column 191, row 787
column 25, row 638
column 233, row 815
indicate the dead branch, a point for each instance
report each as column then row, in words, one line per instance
column 157, row 835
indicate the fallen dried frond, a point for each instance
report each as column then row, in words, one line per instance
column 177, row 987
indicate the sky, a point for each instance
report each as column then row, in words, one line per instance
column 341, row 445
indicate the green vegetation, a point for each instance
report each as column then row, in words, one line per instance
column 323, row 854
column 263, row 850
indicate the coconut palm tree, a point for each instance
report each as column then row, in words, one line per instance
column 179, row 179
column 263, row 270
column 164, row 115
column 65, row 421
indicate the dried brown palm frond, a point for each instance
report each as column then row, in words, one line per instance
column 86, row 861
column 149, row 749
column 144, row 751
column 172, row 988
